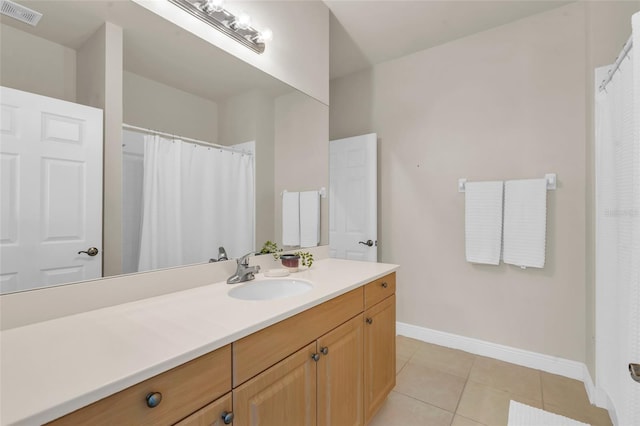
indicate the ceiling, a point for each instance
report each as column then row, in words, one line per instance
column 362, row 33
column 367, row 32
column 153, row 47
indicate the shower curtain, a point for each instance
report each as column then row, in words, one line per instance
column 618, row 237
column 195, row 199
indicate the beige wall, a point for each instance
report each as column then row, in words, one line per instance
column 507, row 103
column 250, row 117
column 608, row 28
column 153, row 105
column 301, row 153
column 299, row 52
column 36, row 65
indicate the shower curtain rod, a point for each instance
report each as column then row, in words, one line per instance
column 621, row 57
column 195, row 141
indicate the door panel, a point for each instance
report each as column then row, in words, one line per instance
column 285, row 394
column 353, row 197
column 51, row 153
column 379, row 354
column 340, row 376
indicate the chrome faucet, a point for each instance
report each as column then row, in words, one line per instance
column 222, row 255
column 244, row 272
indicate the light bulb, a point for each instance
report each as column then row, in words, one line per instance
column 213, row 5
column 217, row 5
column 242, row 21
column 265, row 35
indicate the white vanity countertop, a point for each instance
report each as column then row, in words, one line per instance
column 52, row 368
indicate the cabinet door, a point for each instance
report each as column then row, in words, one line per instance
column 379, row 354
column 285, row 394
column 340, row 375
column 215, row 414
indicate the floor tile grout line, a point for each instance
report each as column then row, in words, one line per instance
column 424, row 402
column 466, row 381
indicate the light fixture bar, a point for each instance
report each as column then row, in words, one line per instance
column 223, row 21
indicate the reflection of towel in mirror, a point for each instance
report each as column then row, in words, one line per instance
column 525, row 222
column 309, row 218
column 483, row 221
column 291, row 219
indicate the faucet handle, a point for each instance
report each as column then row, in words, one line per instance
column 244, row 260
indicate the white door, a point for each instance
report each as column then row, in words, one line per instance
column 353, row 198
column 51, row 162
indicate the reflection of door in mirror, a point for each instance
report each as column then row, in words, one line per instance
column 184, row 199
column 51, row 191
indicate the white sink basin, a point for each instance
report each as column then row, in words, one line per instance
column 271, row 289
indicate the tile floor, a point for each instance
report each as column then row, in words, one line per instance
column 438, row 386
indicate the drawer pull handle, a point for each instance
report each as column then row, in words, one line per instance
column 315, row 357
column 324, row 350
column 227, row 417
column 384, row 284
column 153, row 399
column 369, row 320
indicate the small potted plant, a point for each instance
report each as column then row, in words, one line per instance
column 289, row 260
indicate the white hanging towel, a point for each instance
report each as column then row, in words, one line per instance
column 483, row 221
column 309, row 218
column 291, row 218
column 525, row 222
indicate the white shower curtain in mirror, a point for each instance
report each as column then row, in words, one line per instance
column 195, row 199
column 618, row 238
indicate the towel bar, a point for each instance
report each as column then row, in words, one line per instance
column 550, row 177
column 322, row 191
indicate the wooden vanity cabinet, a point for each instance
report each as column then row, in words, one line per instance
column 321, row 384
column 330, row 365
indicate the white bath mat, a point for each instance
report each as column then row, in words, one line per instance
column 523, row 415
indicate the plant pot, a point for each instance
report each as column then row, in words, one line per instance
column 290, row 261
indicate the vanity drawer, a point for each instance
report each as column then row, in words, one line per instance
column 380, row 289
column 185, row 389
column 259, row 351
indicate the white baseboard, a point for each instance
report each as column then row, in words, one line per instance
column 555, row 365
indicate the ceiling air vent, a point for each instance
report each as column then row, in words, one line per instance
column 19, row 12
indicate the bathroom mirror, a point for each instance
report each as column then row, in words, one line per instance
column 176, row 83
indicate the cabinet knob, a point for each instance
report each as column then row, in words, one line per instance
column 227, row 417
column 324, row 350
column 384, row 284
column 153, row 399
column 315, row 357
column 369, row 320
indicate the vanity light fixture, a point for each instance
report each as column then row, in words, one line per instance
column 237, row 27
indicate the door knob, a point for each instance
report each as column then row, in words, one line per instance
column 92, row 251
column 324, row 350
column 369, row 320
column 634, row 370
column 315, row 357
column 367, row 243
